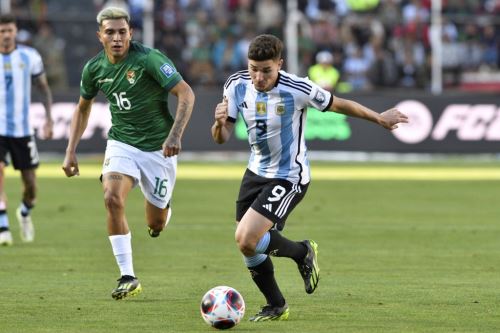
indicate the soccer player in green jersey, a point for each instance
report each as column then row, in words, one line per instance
column 144, row 139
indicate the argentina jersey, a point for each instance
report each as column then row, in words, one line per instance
column 275, row 122
column 16, row 71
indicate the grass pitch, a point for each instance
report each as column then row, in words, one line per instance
column 415, row 254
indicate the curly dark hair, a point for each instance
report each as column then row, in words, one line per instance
column 7, row 18
column 265, row 47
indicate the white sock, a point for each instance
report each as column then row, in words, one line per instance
column 122, row 249
column 169, row 215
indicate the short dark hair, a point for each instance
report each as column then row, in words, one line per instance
column 265, row 47
column 7, row 18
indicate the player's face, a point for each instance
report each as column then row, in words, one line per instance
column 264, row 73
column 115, row 36
column 8, row 32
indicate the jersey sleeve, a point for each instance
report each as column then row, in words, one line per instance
column 320, row 98
column 88, row 89
column 162, row 69
column 37, row 64
column 232, row 109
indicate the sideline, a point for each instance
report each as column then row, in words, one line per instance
column 209, row 171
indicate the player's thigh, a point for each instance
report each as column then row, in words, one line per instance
column 4, row 150
column 122, row 159
column 158, row 175
column 252, row 227
column 119, row 171
column 23, row 152
column 278, row 199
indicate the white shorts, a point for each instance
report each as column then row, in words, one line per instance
column 154, row 173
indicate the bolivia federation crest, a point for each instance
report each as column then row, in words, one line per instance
column 131, row 77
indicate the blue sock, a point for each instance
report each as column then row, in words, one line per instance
column 4, row 219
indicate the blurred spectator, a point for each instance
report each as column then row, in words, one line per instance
column 452, row 56
column 356, row 70
column 383, row 71
column 271, row 17
column 51, row 49
column 324, row 31
column 323, row 72
column 473, row 52
column 225, row 56
column 389, row 33
column 491, row 43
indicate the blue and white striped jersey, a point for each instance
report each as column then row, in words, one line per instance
column 276, row 121
column 16, row 71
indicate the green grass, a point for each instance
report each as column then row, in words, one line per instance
column 395, row 256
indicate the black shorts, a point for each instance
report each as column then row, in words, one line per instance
column 23, row 152
column 273, row 198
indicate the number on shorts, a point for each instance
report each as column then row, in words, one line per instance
column 278, row 193
column 161, row 187
column 33, row 151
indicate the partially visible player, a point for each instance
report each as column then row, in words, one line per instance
column 20, row 65
column 273, row 105
column 144, row 139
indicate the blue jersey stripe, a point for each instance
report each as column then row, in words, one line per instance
column 286, row 134
column 9, row 94
column 261, row 135
column 26, row 96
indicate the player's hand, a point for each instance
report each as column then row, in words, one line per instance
column 48, row 129
column 171, row 146
column 221, row 112
column 70, row 166
column 392, row 117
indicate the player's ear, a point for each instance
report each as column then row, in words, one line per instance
column 280, row 63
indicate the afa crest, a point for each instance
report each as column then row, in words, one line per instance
column 280, row 109
column 261, row 108
column 131, row 77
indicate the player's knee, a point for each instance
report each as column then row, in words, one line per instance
column 245, row 244
column 157, row 224
column 113, row 201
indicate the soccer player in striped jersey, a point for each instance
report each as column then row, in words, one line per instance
column 20, row 65
column 273, row 105
column 144, row 139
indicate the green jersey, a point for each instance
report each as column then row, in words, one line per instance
column 137, row 90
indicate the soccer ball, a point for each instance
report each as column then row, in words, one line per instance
column 222, row 307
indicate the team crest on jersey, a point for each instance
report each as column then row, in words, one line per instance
column 131, row 77
column 261, row 108
column 280, row 109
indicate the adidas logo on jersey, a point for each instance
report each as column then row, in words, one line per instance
column 243, row 105
column 269, row 207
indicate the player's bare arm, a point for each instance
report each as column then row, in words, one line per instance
column 221, row 129
column 387, row 119
column 185, row 104
column 43, row 86
column 78, row 126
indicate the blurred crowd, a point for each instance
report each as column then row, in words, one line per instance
column 350, row 45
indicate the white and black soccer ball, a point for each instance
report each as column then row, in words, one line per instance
column 222, row 307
